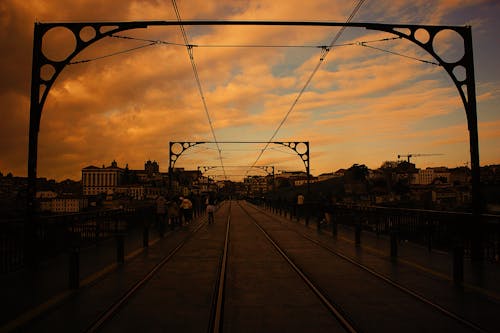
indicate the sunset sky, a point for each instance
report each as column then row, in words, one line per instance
column 362, row 105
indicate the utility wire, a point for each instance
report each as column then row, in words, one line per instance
column 189, row 49
column 152, row 42
column 324, row 53
column 148, row 40
column 157, row 41
column 112, row 54
column 282, row 151
column 399, row 54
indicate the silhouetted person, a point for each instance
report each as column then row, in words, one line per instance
column 187, row 209
column 300, row 205
column 174, row 213
column 161, row 213
column 210, row 202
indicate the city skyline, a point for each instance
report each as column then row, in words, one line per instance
column 362, row 106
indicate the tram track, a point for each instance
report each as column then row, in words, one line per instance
column 255, row 270
column 216, row 317
column 335, row 310
column 416, row 295
column 215, row 320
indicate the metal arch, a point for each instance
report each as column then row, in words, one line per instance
column 468, row 84
column 40, row 87
column 173, row 156
column 104, row 29
column 304, row 156
column 185, row 145
column 432, row 31
column 40, row 60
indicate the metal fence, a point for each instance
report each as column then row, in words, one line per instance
column 58, row 233
column 434, row 229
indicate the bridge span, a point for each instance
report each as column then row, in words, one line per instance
column 255, row 270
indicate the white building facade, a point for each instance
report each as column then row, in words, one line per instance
column 101, row 180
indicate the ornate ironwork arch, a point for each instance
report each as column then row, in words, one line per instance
column 185, row 145
column 40, row 87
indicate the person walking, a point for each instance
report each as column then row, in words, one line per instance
column 299, row 205
column 161, row 213
column 187, row 210
column 210, row 202
column 173, row 210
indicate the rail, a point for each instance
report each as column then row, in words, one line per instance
column 441, row 230
column 60, row 233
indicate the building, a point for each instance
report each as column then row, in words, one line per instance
column 329, row 175
column 97, row 180
column 256, row 185
column 151, row 168
column 292, row 174
column 427, row 176
column 304, row 181
column 45, row 194
column 69, row 204
column 137, row 192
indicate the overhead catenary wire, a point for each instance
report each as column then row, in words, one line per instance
column 323, row 55
column 399, row 54
column 113, row 54
column 154, row 42
column 189, row 49
column 159, row 41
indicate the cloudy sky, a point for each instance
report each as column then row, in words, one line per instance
column 362, row 105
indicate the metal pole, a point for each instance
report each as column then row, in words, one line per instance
column 471, row 111
column 30, row 258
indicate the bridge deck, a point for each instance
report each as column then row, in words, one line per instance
column 262, row 292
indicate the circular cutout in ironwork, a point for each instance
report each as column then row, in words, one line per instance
column 58, row 43
column 448, row 45
column 87, row 33
column 176, row 148
column 46, row 72
column 422, row 35
column 301, row 148
column 460, row 73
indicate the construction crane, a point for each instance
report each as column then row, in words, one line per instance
column 409, row 156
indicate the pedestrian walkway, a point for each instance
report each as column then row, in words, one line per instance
column 483, row 277
column 26, row 294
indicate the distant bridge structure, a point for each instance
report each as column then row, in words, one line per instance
column 85, row 34
column 177, row 148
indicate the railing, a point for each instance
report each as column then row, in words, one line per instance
column 11, row 245
column 435, row 229
column 60, row 233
